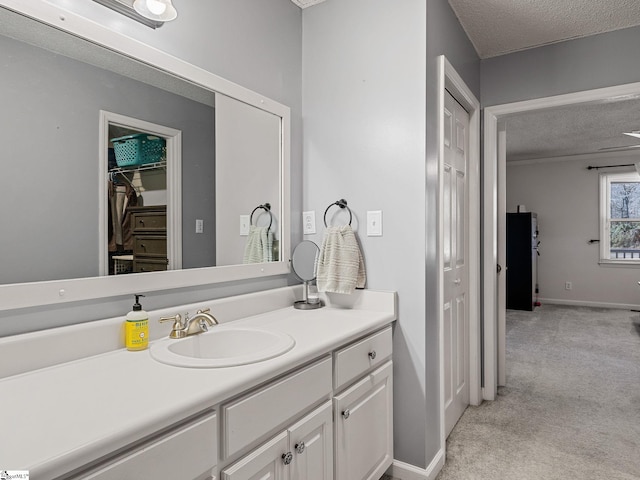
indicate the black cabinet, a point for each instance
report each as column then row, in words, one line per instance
column 522, row 260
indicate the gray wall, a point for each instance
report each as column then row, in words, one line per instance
column 582, row 64
column 370, row 87
column 255, row 44
column 446, row 37
column 49, row 128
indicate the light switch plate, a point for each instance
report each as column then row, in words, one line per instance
column 374, row 223
column 309, row 222
column 244, row 225
column 199, row 225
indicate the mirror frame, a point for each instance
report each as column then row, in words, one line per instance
column 33, row 294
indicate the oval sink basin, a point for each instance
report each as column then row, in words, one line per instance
column 222, row 347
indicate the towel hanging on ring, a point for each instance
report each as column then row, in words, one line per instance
column 340, row 265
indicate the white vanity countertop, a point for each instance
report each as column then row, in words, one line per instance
column 59, row 418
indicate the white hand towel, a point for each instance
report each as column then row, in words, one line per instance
column 257, row 249
column 340, row 266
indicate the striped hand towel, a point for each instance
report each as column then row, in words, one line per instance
column 340, row 267
column 259, row 247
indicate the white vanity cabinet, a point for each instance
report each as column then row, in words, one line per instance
column 187, row 452
column 304, row 449
column 302, row 452
column 363, row 412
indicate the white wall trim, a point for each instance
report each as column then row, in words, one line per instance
column 490, row 214
column 405, row 471
column 586, row 303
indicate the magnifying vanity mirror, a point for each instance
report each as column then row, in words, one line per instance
column 303, row 262
column 72, row 90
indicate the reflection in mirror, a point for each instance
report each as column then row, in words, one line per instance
column 137, row 198
column 303, row 262
column 50, row 129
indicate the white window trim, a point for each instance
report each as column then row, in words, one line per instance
column 605, row 216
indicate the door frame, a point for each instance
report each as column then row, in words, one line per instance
column 449, row 79
column 173, row 139
column 494, row 198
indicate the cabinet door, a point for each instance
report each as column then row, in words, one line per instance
column 364, row 427
column 311, row 442
column 264, row 463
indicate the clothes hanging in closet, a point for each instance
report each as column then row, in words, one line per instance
column 121, row 196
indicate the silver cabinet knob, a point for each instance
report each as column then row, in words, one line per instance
column 457, row 281
column 372, row 354
column 299, row 447
column 287, row 458
column 346, row 414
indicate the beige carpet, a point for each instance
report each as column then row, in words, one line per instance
column 571, row 407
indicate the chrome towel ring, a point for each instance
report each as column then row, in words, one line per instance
column 266, row 207
column 342, row 203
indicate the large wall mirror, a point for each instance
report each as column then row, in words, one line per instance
column 126, row 169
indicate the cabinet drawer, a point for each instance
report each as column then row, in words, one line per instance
column 148, row 265
column 353, row 361
column 253, row 416
column 149, row 222
column 189, row 452
column 150, row 245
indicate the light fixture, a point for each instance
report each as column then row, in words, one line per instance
column 635, row 133
column 158, row 10
column 126, row 8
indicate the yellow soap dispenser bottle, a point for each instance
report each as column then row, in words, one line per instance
column 136, row 327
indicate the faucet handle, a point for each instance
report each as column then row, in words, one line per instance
column 177, row 331
column 207, row 310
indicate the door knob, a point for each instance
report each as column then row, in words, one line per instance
column 299, row 447
column 346, row 414
column 457, row 282
column 372, row 354
column 287, row 458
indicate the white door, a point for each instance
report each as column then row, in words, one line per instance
column 364, row 427
column 311, row 443
column 455, row 252
column 267, row 462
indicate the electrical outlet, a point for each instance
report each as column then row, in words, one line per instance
column 374, row 223
column 244, row 225
column 199, row 225
column 568, row 285
column 309, row 222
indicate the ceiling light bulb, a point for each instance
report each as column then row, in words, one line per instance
column 159, row 10
column 156, row 7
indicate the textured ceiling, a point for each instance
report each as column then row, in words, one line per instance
column 595, row 127
column 497, row 27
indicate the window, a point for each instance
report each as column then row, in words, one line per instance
column 620, row 218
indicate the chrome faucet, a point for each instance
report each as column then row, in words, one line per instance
column 199, row 323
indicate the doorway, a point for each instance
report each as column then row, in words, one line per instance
column 164, row 170
column 494, row 214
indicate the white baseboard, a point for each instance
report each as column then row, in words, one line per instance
column 405, row 471
column 584, row 303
